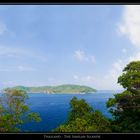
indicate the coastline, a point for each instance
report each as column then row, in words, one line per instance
column 82, row 93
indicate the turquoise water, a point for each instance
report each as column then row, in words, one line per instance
column 53, row 108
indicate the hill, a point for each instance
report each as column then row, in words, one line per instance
column 69, row 88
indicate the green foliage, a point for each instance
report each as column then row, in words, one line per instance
column 82, row 118
column 14, row 111
column 130, row 79
column 56, row 89
column 78, row 108
column 125, row 107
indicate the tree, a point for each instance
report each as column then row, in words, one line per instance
column 83, row 118
column 14, row 111
column 130, row 79
column 125, row 107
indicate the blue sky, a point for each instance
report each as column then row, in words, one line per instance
column 69, row 44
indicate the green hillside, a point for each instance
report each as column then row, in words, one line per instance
column 69, row 88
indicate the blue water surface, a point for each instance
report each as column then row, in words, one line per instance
column 53, row 108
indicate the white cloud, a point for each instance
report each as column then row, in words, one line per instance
column 3, row 28
column 109, row 81
column 21, row 68
column 135, row 57
column 106, row 81
column 10, row 83
column 92, row 58
column 51, row 79
column 87, row 78
column 20, row 53
column 124, row 50
column 130, row 24
column 5, row 69
column 82, row 56
column 118, row 65
column 115, row 71
column 25, row 68
column 76, row 77
column 10, row 51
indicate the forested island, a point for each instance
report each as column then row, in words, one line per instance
column 67, row 88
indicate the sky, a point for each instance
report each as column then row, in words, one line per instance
column 67, row 44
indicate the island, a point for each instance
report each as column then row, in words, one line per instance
column 67, row 88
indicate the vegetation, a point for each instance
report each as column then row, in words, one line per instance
column 125, row 107
column 83, row 118
column 56, row 89
column 14, row 111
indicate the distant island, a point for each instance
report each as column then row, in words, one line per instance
column 69, row 88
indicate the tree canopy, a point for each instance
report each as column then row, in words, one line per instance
column 130, row 79
column 83, row 118
column 125, row 106
column 14, row 111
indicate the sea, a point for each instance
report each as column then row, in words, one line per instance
column 53, row 108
